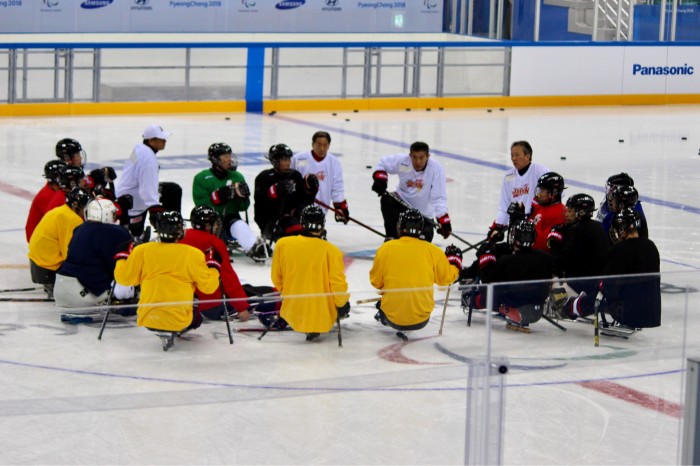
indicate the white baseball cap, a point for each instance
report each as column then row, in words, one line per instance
column 155, row 131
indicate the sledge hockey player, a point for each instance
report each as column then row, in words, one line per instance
column 69, row 177
column 280, row 195
column 98, row 181
column 204, row 235
column 605, row 207
column 547, row 209
column 421, row 187
column 634, row 302
column 623, row 197
column 409, row 263
column 41, row 200
column 48, row 246
column 518, row 187
column 521, row 304
column 310, row 266
column 168, row 272
column 579, row 248
column 326, row 166
column 223, row 188
column 85, row 278
column 140, row 180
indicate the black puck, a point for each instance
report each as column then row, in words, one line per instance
column 620, row 140
column 356, row 111
column 272, row 113
column 227, row 118
column 334, row 114
column 489, row 110
column 347, row 119
column 368, row 166
column 684, row 138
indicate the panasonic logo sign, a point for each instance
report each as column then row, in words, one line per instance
column 638, row 69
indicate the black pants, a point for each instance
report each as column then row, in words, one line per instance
column 391, row 209
column 384, row 320
column 41, row 275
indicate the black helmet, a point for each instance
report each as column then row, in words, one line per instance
column 553, row 182
column 67, row 147
column 77, row 198
column 621, row 179
column 622, row 223
column 410, row 223
column 170, row 226
column 279, row 152
column 221, row 148
column 312, row 219
column 52, row 170
column 205, row 218
column 522, row 234
column 625, row 196
column 583, row 204
column 69, row 177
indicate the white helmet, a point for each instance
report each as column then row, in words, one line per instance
column 101, row 210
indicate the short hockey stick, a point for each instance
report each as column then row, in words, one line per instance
column 444, row 309
column 226, row 314
column 369, row 300
column 13, row 290
column 109, row 309
column 27, row 300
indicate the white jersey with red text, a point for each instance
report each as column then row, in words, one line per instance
column 423, row 190
column 329, row 173
column 517, row 188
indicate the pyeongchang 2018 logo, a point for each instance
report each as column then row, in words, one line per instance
column 332, row 5
column 289, row 4
column 92, row 4
column 141, row 5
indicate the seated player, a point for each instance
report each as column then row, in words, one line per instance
column 41, row 201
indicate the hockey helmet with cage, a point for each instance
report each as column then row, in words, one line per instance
column 279, row 152
column 205, row 218
column 218, row 149
column 69, row 177
column 313, row 219
column 523, row 234
column 171, row 227
column 411, row 223
column 77, row 198
column 624, row 196
column 66, row 148
column 553, row 182
column 623, row 222
column 582, row 204
column 101, row 210
column 52, row 170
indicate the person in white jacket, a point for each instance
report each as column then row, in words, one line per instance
column 421, row 187
column 326, row 166
column 518, row 188
column 140, row 180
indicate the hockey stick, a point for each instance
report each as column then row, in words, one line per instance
column 109, row 309
column 13, row 290
column 226, row 314
column 323, row 204
column 268, row 328
column 596, row 331
column 444, row 309
column 475, row 246
column 555, row 323
column 27, row 300
column 369, row 300
column 340, row 335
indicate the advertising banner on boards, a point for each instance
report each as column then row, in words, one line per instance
column 226, row 16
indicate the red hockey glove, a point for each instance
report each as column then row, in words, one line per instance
column 213, row 259
column 342, row 214
column 123, row 250
column 454, row 256
column 381, row 182
column 444, row 226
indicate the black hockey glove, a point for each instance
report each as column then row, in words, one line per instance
column 381, row 182
column 497, row 233
column 222, row 195
column 344, row 310
column 241, row 190
column 153, row 215
column 516, row 212
column 486, row 254
column 126, row 202
column 311, row 183
column 342, row 214
column 454, row 256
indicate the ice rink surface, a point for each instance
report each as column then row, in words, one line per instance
column 68, row 398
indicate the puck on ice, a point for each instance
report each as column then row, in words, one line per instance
column 620, row 140
column 368, row 166
column 563, row 158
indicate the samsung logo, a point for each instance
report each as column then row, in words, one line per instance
column 289, row 4
column 92, row 4
column 662, row 70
